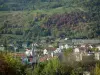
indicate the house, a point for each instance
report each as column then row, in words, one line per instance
column 50, row 46
column 58, row 50
column 50, row 49
column 78, row 57
column 90, row 46
column 2, row 48
column 85, row 48
column 85, row 41
column 61, row 47
column 52, row 54
column 98, row 47
column 83, row 45
column 86, row 73
column 86, row 45
column 45, row 52
column 77, row 54
column 97, row 55
column 19, row 54
column 42, row 59
column 66, row 39
column 28, row 52
column 76, row 50
column 45, row 58
column 35, row 44
column 66, row 46
column 11, row 45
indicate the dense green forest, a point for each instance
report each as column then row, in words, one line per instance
column 25, row 20
column 33, row 4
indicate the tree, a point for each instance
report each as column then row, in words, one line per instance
column 97, row 69
column 10, row 65
column 49, row 67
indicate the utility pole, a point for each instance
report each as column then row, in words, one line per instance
column 34, row 54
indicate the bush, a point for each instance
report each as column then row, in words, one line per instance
column 10, row 66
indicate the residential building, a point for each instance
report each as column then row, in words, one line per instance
column 2, row 48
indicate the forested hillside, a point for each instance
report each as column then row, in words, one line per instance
column 29, row 19
column 33, row 4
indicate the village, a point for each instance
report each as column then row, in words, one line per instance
column 79, row 48
column 67, row 51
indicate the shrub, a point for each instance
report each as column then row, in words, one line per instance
column 10, row 66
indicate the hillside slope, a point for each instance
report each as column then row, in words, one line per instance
column 33, row 4
column 74, row 19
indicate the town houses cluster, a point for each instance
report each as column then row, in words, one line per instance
column 81, row 48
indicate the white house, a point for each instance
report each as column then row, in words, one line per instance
column 52, row 54
column 35, row 44
column 97, row 56
column 90, row 46
column 2, row 48
column 86, row 73
column 76, row 50
column 28, row 52
column 58, row 50
column 66, row 46
column 45, row 52
column 98, row 47
column 11, row 44
column 61, row 47
column 55, row 51
column 82, row 45
column 66, row 39
column 78, row 56
column 50, row 46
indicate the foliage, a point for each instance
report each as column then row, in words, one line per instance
column 55, row 67
column 97, row 69
column 95, row 49
column 49, row 67
column 10, row 66
column 32, row 4
column 68, row 51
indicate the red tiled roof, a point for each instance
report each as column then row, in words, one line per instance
column 51, row 49
column 44, row 58
column 19, row 54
